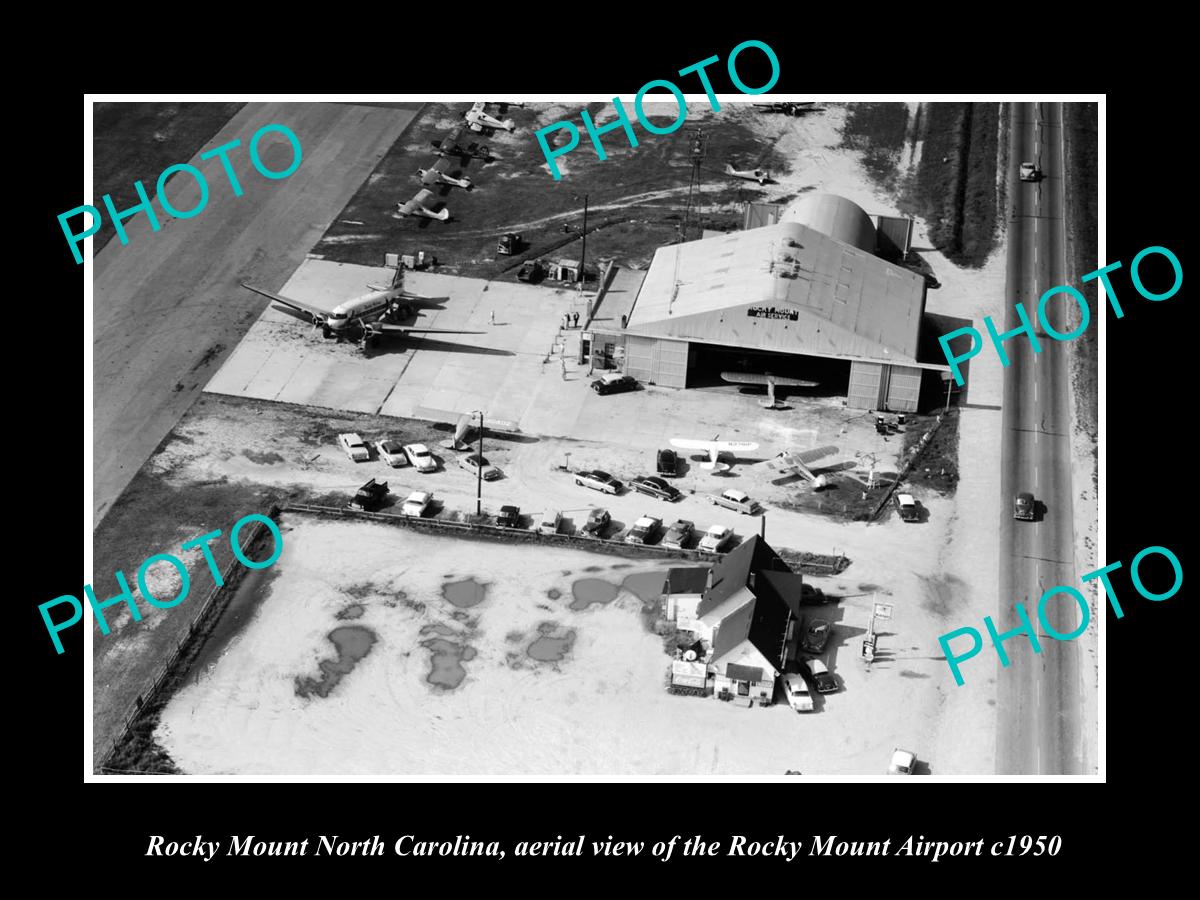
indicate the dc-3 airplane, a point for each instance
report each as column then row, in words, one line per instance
column 420, row 205
column 770, row 381
column 368, row 317
column 762, row 176
column 714, row 449
column 437, row 175
column 793, row 463
column 478, row 120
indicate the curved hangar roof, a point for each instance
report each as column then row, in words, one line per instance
column 837, row 217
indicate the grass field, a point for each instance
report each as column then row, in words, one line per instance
column 636, row 196
column 1080, row 125
column 136, row 141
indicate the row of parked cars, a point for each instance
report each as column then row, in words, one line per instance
column 812, row 670
column 398, row 455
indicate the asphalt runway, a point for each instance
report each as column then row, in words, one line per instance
column 1038, row 694
column 168, row 309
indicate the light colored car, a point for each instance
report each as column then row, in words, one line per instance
column 420, row 457
column 354, row 446
column 550, row 521
column 598, row 481
column 474, row 463
column 715, row 538
column 677, row 535
column 1030, row 171
column 392, row 453
column 734, row 499
column 796, row 689
column 906, row 505
column 903, row 762
column 643, row 530
column 417, row 503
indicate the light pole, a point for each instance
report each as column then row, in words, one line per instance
column 479, row 469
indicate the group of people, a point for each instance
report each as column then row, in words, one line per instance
column 567, row 319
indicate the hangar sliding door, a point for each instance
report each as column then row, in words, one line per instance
column 904, row 389
column 671, row 365
column 864, row 385
column 639, row 357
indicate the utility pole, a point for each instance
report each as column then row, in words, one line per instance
column 583, row 252
column 479, row 470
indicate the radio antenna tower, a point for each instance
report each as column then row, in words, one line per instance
column 698, row 151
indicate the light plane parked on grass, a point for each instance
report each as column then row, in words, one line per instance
column 794, row 463
column 770, row 381
column 478, row 119
column 714, row 449
column 762, row 176
column 364, row 319
column 436, row 174
column 421, row 205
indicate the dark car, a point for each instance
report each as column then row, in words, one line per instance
column 816, row 636
column 614, row 384
column 678, row 534
column 530, row 271
column 370, row 496
column 510, row 517
column 668, row 463
column 825, row 682
column 597, row 521
column 1023, row 507
column 655, row 487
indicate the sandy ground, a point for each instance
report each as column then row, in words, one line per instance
column 167, row 304
column 600, row 709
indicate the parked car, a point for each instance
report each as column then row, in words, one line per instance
column 1024, row 507
column 715, row 538
column 903, row 762
column 654, row 486
column 816, row 636
column 354, row 446
column 597, row 521
column 417, row 504
column 1030, row 171
column 644, row 530
column 824, row 681
column 550, row 521
column 678, row 534
column 668, row 463
column 598, row 481
column 510, row 517
column 907, row 507
column 614, row 383
column 475, row 462
column 530, row 271
column 392, row 453
column 370, row 496
column 734, row 499
column 796, row 689
column 420, row 457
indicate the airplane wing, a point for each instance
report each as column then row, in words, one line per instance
column 478, row 107
column 816, row 453
column 310, row 311
column 380, row 327
column 757, row 378
column 733, row 446
column 689, row 444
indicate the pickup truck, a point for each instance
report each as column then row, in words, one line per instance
column 370, row 496
column 643, row 530
column 739, row 501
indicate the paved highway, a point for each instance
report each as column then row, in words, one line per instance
column 1038, row 703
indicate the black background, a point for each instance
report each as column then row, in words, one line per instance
column 1149, row 450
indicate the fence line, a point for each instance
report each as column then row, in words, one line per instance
column 916, row 454
column 230, row 578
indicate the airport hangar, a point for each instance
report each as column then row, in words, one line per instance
column 805, row 296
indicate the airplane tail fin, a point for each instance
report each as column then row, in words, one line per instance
column 441, row 216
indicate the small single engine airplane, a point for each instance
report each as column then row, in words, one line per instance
column 762, row 176
column 450, row 146
column 714, row 449
column 798, row 464
column 790, row 107
column 368, row 316
column 770, row 381
column 436, row 174
column 467, row 425
column 420, row 206
column 478, row 120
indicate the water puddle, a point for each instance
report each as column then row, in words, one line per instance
column 446, row 670
column 353, row 642
column 553, row 643
column 353, row 611
column 648, row 586
column 592, row 590
column 464, row 594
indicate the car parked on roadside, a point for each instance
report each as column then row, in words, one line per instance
column 420, row 457
column 477, row 465
column 739, row 501
column 816, row 636
column 370, row 496
column 678, row 534
column 354, row 446
column 392, row 453
column 653, row 486
column 417, row 504
column 597, row 521
column 716, row 538
column 644, row 530
column 614, row 383
column 824, row 681
column 598, row 481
